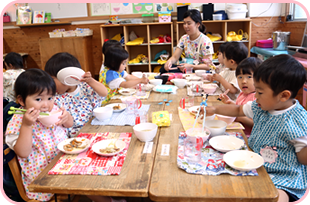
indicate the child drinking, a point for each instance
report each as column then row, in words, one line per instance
column 233, row 54
column 35, row 144
column 280, row 123
column 244, row 74
column 14, row 67
column 114, row 75
column 79, row 100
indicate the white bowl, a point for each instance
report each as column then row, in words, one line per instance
column 197, row 132
column 243, row 160
column 70, row 76
column 156, row 81
column 137, row 74
column 225, row 143
column 145, row 132
column 217, row 127
column 117, row 107
column 51, row 119
column 227, row 119
column 209, row 88
column 199, row 72
column 103, row 113
column 180, row 83
column 207, row 76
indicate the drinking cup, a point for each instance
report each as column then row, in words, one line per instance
column 189, row 70
column 140, row 90
column 132, row 103
column 141, row 116
column 192, row 148
column 187, row 101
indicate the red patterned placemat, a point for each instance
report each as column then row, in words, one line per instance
column 88, row 162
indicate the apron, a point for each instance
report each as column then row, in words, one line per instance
column 111, row 92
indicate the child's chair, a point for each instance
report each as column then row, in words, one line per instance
column 16, row 172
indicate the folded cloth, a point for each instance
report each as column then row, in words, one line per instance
column 120, row 118
column 137, row 41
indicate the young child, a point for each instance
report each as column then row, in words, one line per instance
column 220, row 58
column 280, row 123
column 106, row 45
column 234, row 53
column 14, row 67
column 244, row 74
column 35, row 144
column 79, row 100
column 114, row 75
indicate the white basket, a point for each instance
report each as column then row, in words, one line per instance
column 236, row 14
column 68, row 34
column 84, row 33
column 55, row 34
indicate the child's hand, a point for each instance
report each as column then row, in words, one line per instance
column 87, row 77
column 30, row 117
column 209, row 111
column 65, row 116
column 216, row 77
column 168, row 65
column 144, row 79
column 225, row 99
column 183, row 66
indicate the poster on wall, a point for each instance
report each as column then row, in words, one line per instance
column 164, row 7
column 121, row 8
column 100, row 9
column 142, row 8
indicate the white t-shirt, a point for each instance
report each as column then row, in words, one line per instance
column 230, row 77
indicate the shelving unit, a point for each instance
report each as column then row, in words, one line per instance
column 146, row 30
column 222, row 27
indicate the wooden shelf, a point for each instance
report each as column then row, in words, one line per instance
column 43, row 24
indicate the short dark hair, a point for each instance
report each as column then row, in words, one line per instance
column 195, row 16
column 248, row 66
column 282, row 72
column 222, row 47
column 15, row 59
column 60, row 61
column 114, row 57
column 110, row 43
column 236, row 51
column 34, row 81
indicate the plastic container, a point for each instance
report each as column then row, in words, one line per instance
column 264, row 43
column 84, row 33
column 217, row 17
column 280, row 40
column 164, row 16
column 147, row 18
column 68, row 34
column 55, row 34
column 236, row 11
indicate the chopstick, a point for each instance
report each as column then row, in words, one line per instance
column 13, row 111
column 227, row 91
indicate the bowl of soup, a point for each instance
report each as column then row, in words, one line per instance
column 145, row 132
column 216, row 127
column 197, row 132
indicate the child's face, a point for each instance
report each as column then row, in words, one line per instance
column 246, row 83
column 220, row 58
column 43, row 102
column 229, row 63
column 62, row 88
column 123, row 65
column 265, row 98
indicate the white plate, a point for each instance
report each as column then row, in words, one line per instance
column 243, row 160
column 70, row 76
column 84, row 141
column 193, row 108
column 127, row 91
column 162, row 88
column 104, row 143
column 225, row 143
column 193, row 78
column 122, row 106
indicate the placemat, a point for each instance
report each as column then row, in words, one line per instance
column 142, row 97
column 120, row 118
column 188, row 121
column 212, row 162
column 90, row 163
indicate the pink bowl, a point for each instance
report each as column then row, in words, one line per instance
column 209, row 88
column 227, row 119
column 51, row 119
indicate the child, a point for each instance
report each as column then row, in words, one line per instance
column 14, row 67
column 280, row 123
column 220, row 58
column 35, row 144
column 114, row 75
column 244, row 74
column 106, row 45
column 233, row 54
column 79, row 100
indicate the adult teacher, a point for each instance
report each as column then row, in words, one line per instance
column 195, row 45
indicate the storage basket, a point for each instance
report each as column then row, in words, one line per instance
column 55, row 34
column 68, row 34
column 236, row 11
column 264, row 43
column 84, row 33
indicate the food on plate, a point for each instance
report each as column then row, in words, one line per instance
column 74, row 144
column 125, row 91
column 117, row 107
column 109, row 150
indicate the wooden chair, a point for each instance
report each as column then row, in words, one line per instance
column 16, row 172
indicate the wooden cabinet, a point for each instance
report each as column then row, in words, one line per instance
column 79, row 47
column 146, row 30
column 222, row 27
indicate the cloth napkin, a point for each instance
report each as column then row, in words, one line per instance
column 90, row 163
column 212, row 162
column 120, row 118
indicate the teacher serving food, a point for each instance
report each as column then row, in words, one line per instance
column 198, row 48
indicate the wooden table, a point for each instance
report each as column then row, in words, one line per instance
column 169, row 183
column 133, row 181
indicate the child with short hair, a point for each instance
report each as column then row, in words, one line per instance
column 114, row 74
column 35, row 144
column 14, row 67
column 244, row 74
column 220, row 58
column 234, row 53
column 280, row 123
column 79, row 100
column 105, row 47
